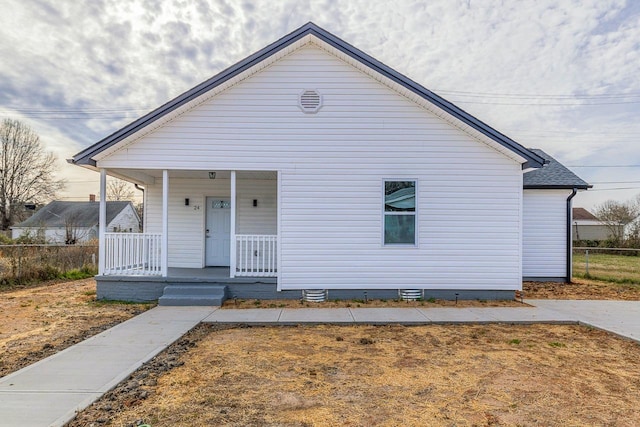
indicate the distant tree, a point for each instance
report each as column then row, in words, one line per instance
column 73, row 232
column 140, row 210
column 617, row 215
column 118, row 189
column 27, row 171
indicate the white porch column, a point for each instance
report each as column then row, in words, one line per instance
column 232, row 258
column 165, row 223
column 102, row 222
column 279, row 232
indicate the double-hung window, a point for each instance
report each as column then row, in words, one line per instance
column 399, row 212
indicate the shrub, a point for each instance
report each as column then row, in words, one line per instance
column 24, row 264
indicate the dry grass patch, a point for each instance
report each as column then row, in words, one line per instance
column 582, row 289
column 40, row 321
column 292, row 303
column 385, row 376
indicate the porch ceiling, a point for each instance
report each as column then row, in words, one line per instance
column 137, row 175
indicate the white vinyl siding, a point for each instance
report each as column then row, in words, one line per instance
column 261, row 219
column 126, row 220
column 186, row 223
column 331, row 165
column 545, row 233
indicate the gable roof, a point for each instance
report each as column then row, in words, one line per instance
column 84, row 214
column 85, row 157
column 552, row 175
column 583, row 214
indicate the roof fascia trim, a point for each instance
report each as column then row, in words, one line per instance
column 557, row 187
column 533, row 160
column 84, row 157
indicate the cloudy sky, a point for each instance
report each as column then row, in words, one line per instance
column 559, row 75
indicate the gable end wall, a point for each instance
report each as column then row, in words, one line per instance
column 332, row 165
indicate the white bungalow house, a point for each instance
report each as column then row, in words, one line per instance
column 77, row 222
column 586, row 226
column 310, row 165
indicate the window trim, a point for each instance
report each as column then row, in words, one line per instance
column 384, row 214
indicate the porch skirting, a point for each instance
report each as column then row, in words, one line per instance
column 149, row 289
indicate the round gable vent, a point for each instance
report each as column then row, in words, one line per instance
column 310, row 101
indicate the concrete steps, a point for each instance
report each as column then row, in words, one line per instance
column 185, row 295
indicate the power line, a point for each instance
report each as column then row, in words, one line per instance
column 617, row 188
column 603, row 166
column 530, row 104
column 577, row 133
column 614, row 182
column 75, row 109
column 541, row 96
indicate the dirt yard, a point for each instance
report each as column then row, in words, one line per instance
column 351, row 375
column 290, row 303
column 40, row 321
column 582, row 289
column 382, row 376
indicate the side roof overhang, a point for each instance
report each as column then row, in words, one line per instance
column 553, row 176
column 86, row 156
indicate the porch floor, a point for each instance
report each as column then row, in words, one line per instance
column 206, row 275
column 150, row 288
column 213, row 274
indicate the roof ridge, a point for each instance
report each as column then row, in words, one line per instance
column 84, row 157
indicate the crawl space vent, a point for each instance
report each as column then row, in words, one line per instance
column 310, row 101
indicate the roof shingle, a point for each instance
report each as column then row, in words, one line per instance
column 84, row 214
column 552, row 175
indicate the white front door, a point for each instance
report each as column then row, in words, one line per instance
column 218, row 232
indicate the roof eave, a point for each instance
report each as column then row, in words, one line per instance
column 557, row 187
column 85, row 157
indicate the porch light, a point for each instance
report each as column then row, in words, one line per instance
column 212, row 175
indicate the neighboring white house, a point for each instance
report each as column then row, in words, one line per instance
column 586, row 226
column 76, row 222
column 313, row 163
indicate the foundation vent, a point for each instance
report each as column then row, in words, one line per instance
column 315, row 295
column 310, row 101
column 410, row 294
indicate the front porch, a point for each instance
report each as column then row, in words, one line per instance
column 195, row 220
column 140, row 254
column 151, row 288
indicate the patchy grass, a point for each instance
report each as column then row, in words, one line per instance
column 382, row 376
column 582, row 289
column 372, row 303
column 606, row 267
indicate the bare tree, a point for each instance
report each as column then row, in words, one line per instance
column 616, row 216
column 118, row 189
column 139, row 207
column 73, row 230
column 27, row 172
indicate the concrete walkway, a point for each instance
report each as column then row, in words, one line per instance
column 619, row 317
column 407, row 316
column 49, row 392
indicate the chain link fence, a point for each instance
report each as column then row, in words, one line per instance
column 621, row 265
column 21, row 264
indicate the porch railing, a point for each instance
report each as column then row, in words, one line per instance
column 133, row 254
column 256, row 255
